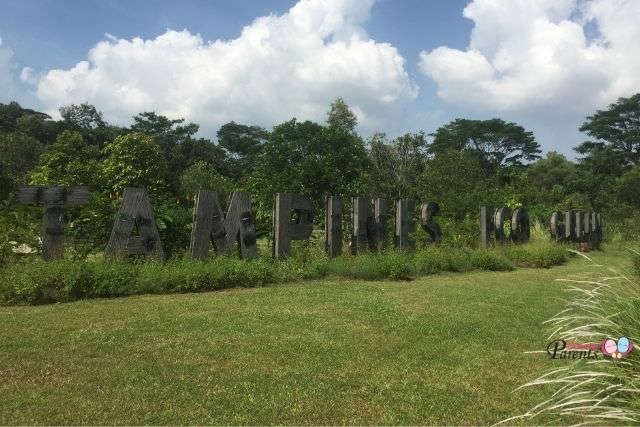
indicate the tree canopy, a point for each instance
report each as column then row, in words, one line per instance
column 494, row 141
column 617, row 129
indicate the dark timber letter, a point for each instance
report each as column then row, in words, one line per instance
column 429, row 210
column 333, row 226
column 520, row 230
column 404, row 224
column 240, row 226
column 362, row 226
column 378, row 240
column 53, row 201
column 284, row 229
column 135, row 213
column 557, row 226
column 502, row 214
column 208, row 226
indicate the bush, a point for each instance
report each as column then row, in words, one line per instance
column 539, row 254
column 68, row 280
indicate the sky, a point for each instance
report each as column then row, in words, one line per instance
column 401, row 65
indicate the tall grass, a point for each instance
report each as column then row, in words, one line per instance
column 34, row 282
column 605, row 304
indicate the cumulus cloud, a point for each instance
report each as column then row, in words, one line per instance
column 279, row 67
column 556, row 57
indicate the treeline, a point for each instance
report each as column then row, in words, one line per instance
column 461, row 165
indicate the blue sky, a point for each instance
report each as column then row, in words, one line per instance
column 403, row 65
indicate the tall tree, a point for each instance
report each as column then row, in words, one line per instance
column 340, row 116
column 494, row 141
column 396, row 166
column 88, row 121
column 174, row 139
column 134, row 160
column 243, row 144
column 617, row 128
column 310, row 159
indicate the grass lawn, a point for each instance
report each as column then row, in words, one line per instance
column 444, row 349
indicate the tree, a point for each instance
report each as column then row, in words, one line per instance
column 243, row 144
column 395, row 167
column 84, row 116
column 459, row 183
column 134, row 160
column 19, row 153
column 340, row 116
column 547, row 184
column 617, row 128
column 167, row 133
column 494, row 141
column 175, row 141
column 310, row 159
column 88, row 121
column 203, row 176
column 69, row 161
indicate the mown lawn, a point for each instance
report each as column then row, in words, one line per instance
column 444, row 349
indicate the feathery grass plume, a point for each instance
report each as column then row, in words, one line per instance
column 604, row 304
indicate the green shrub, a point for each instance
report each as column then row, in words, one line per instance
column 540, row 254
column 38, row 282
column 488, row 260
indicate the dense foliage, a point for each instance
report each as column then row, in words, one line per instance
column 461, row 165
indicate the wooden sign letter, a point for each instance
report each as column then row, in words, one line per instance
column 404, row 224
column 286, row 228
column 208, row 226
column 361, row 224
column 135, row 214
column 333, row 226
column 429, row 210
column 53, row 201
column 240, row 227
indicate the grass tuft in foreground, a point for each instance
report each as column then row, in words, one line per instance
column 605, row 304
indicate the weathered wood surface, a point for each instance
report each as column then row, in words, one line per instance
column 333, row 226
column 135, row 213
column 502, row 214
column 208, row 226
column 240, row 226
column 53, row 200
column 380, row 217
column 286, row 205
column 557, row 225
column 487, row 225
column 362, row 218
column 42, row 194
column 586, row 227
column 520, row 228
column 569, row 225
column 596, row 227
column 405, row 225
column 579, row 228
column 428, row 211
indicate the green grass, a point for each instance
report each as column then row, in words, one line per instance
column 441, row 349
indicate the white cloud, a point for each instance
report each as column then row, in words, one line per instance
column 535, row 56
column 279, row 67
column 28, row 75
